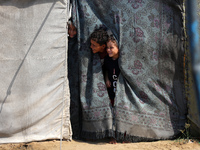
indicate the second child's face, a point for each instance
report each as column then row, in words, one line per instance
column 96, row 47
column 72, row 30
column 112, row 50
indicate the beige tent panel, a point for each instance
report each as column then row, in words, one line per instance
column 34, row 95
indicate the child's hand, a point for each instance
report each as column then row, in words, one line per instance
column 108, row 83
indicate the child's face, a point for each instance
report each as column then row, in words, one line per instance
column 112, row 50
column 96, row 47
column 72, row 30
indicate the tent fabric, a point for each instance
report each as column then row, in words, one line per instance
column 150, row 101
column 34, row 96
column 193, row 112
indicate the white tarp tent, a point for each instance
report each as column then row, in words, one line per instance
column 34, row 95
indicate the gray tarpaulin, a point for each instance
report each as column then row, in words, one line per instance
column 34, row 95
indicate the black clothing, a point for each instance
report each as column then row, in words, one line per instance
column 112, row 69
column 73, row 76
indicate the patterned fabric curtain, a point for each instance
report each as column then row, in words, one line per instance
column 150, row 100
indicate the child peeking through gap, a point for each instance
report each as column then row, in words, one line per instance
column 111, row 67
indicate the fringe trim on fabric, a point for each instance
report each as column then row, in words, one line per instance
column 97, row 135
column 120, row 137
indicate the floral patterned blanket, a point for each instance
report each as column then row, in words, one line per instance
column 150, row 101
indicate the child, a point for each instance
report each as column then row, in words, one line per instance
column 73, row 76
column 71, row 30
column 111, row 71
column 111, row 67
column 98, row 41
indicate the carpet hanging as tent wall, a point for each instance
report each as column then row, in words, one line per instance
column 150, row 101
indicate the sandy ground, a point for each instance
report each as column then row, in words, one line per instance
column 104, row 145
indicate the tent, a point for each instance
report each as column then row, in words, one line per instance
column 151, row 101
column 192, row 53
column 34, row 101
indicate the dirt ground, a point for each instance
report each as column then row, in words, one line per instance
column 104, row 145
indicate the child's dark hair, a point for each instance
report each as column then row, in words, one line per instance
column 100, row 36
column 70, row 22
column 112, row 39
